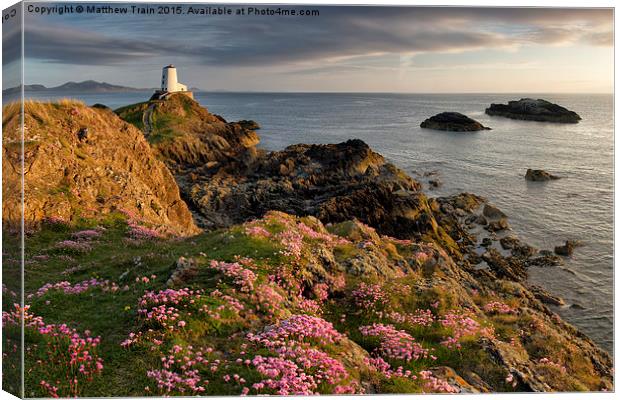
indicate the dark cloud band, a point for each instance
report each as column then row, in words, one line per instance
column 338, row 32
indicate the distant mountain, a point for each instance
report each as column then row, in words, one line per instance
column 89, row 86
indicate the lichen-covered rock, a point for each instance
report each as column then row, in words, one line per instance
column 185, row 269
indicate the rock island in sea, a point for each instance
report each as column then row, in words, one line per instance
column 184, row 260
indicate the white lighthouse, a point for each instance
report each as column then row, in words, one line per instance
column 169, row 81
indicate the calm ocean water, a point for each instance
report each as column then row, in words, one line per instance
column 490, row 163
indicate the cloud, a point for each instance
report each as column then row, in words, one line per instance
column 338, row 33
column 68, row 45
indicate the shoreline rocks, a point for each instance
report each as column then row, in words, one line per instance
column 453, row 122
column 539, row 175
column 533, row 110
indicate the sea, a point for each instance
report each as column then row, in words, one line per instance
column 579, row 206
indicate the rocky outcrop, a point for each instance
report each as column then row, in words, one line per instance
column 249, row 124
column 186, row 135
column 533, row 110
column 84, row 162
column 539, row 175
column 226, row 180
column 334, row 183
column 453, row 122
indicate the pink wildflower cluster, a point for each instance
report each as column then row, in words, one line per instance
column 81, row 241
column 429, row 382
column 369, row 296
column 163, row 309
column 497, row 307
column 74, row 246
column 321, row 291
column 138, row 232
column 379, row 365
column 269, row 300
column 287, row 281
column 510, row 379
column 436, row 385
column 73, row 354
column 422, row 256
column 325, row 237
column 88, row 234
column 299, row 371
column 291, row 238
column 309, row 306
column 546, row 361
column 395, row 344
column 181, row 370
column 242, row 277
column 231, row 302
column 292, row 241
column 169, row 296
column 77, row 288
column 6, row 290
column 462, row 324
column 418, row 317
column 259, row 231
column 54, row 220
column 298, row 327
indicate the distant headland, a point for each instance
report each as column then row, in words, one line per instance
column 88, row 86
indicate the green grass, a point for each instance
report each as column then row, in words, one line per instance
column 113, row 315
column 133, row 114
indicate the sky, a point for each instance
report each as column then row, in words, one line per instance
column 343, row 49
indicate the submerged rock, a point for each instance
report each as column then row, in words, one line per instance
column 533, row 110
column 539, row 175
column 567, row 248
column 492, row 212
column 453, row 122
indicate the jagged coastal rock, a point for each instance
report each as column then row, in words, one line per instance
column 539, row 175
column 533, row 110
column 453, row 122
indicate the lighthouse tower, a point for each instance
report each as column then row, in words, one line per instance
column 170, row 84
column 169, row 81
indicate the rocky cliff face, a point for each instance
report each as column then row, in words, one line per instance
column 83, row 162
